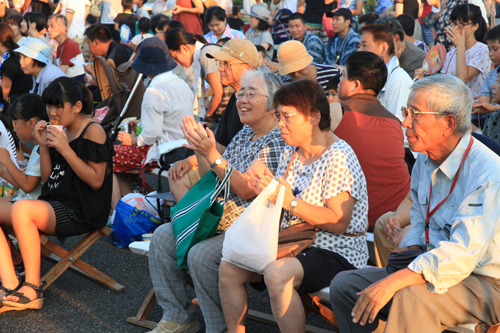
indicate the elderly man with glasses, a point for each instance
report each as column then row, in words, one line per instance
column 446, row 270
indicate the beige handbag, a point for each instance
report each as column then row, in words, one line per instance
column 95, row 9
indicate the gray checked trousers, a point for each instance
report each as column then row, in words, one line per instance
column 170, row 282
column 415, row 309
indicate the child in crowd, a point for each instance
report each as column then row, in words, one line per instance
column 76, row 194
column 331, row 86
column 174, row 24
column 141, row 11
column 262, row 58
column 25, row 113
column 468, row 26
column 127, row 17
column 144, row 32
column 235, row 21
column 155, row 21
column 487, row 105
column 163, row 27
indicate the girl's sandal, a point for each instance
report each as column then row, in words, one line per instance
column 8, row 292
column 24, row 302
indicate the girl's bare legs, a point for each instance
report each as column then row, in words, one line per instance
column 5, row 221
column 7, row 273
column 29, row 216
column 234, row 295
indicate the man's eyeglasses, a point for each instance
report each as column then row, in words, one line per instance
column 412, row 112
column 248, row 93
column 226, row 63
column 278, row 116
column 460, row 25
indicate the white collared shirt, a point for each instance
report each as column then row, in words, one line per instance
column 464, row 231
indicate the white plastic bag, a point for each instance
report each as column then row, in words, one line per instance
column 252, row 240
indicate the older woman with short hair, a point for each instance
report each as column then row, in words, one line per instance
column 325, row 187
column 259, row 139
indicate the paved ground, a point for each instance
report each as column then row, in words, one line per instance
column 75, row 304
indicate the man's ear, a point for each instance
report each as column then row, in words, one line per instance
column 451, row 124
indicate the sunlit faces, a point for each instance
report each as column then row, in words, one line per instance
column 183, row 56
column 295, row 127
column 424, row 131
column 24, row 26
column 332, row 96
column 366, row 43
column 65, row 113
column 494, row 48
column 27, row 65
column 15, row 28
column 55, row 28
column 253, row 108
column 217, row 27
column 297, row 29
column 345, row 87
column 231, row 71
column 24, row 129
column 339, row 24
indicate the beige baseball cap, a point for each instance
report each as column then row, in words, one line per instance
column 237, row 48
column 293, row 57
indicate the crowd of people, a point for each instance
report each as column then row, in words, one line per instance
column 343, row 114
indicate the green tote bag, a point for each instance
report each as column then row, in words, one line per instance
column 196, row 217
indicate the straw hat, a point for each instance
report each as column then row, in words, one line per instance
column 293, row 57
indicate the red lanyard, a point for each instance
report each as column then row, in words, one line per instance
column 429, row 214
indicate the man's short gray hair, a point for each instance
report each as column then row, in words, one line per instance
column 447, row 93
column 270, row 84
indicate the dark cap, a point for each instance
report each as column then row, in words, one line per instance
column 345, row 12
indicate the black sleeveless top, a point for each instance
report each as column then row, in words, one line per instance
column 90, row 206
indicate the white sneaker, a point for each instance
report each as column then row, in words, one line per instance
column 165, row 326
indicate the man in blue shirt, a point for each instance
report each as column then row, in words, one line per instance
column 446, row 270
column 314, row 45
column 346, row 41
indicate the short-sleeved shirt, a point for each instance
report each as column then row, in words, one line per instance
column 489, row 80
column 48, row 74
column 477, row 56
column 77, row 7
column 336, row 171
column 140, row 37
column 240, row 153
column 128, row 19
column 110, row 9
column 323, row 75
column 351, row 4
column 21, row 83
column 32, row 169
column 261, row 37
column 65, row 52
column 411, row 58
column 228, row 32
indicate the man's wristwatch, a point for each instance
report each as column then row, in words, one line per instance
column 216, row 162
column 293, row 204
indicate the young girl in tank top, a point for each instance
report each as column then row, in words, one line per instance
column 76, row 168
